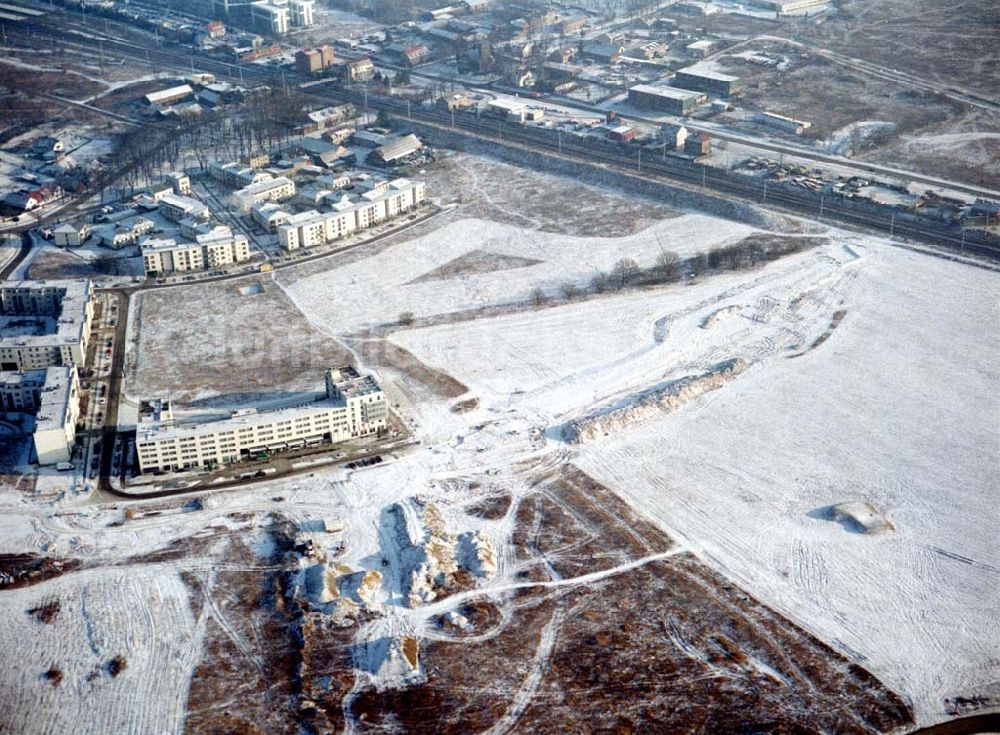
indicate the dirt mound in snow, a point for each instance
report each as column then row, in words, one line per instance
column 639, row 408
column 857, row 517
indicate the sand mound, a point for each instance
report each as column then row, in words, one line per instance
column 860, row 517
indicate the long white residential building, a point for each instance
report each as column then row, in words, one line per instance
column 44, row 323
column 176, row 207
column 354, row 406
column 383, row 200
column 53, row 395
column 212, row 250
column 268, row 190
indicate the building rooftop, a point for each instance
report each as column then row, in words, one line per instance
column 671, row 92
column 54, row 398
column 707, row 73
column 158, row 431
column 184, row 203
column 400, row 147
column 72, row 318
column 259, row 187
column 165, row 94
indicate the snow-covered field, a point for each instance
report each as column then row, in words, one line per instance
column 562, row 359
column 139, row 613
column 376, row 290
column 869, row 372
column 887, row 403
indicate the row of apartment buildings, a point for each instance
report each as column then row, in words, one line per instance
column 215, row 249
column 383, row 200
column 353, row 406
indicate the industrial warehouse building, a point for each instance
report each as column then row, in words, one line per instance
column 665, row 99
column 44, row 323
column 701, row 79
column 53, row 396
column 395, row 151
column 354, row 406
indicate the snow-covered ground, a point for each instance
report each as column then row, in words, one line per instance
column 869, row 371
column 376, row 290
column 870, row 380
column 139, row 613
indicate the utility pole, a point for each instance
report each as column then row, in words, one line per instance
column 559, row 135
column 963, row 240
column 821, row 206
column 704, row 174
column 764, row 198
column 639, row 165
column 408, row 110
column 892, row 223
column 453, row 119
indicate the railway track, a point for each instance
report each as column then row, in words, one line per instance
column 702, row 178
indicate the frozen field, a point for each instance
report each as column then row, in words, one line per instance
column 474, row 263
column 141, row 614
column 556, row 361
column 866, row 383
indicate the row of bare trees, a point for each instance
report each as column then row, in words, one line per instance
column 668, row 267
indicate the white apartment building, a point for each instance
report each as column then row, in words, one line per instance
column 270, row 190
column 176, row 207
column 44, row 323
column 53, row 395
column 180, row 183
column 269, row 216
column 271, row 16
column 384, row 199
column 302, row 13
column 166, row 255
column 354, row 406
column 68, row 235
column 226, row 250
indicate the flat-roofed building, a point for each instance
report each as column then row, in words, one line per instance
column 665, row 99
column 354, row 406
column 302, row 13
column 381, row 200
column 53, row 396
column 303, row 230
column 211, row 250
column 44, row 323
column 703, row 79
column 270, row 16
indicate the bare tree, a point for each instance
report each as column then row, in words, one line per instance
column 666, row 265
column 599, row 283
column 625, row 271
